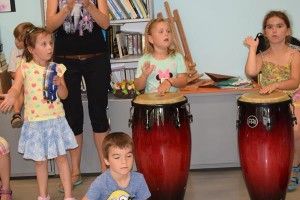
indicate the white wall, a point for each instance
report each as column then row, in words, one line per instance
column 215, row 29
column 26, row 11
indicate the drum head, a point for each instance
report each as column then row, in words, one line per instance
column 155, row 99
column 256, row 97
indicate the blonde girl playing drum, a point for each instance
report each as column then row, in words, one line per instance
column 280, row 68
column 161, row 69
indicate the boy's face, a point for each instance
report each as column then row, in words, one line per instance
column 19, row 43
column 120, row 161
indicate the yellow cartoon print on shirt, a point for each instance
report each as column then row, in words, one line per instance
column 120, row 195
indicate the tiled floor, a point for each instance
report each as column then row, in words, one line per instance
column 225, row 184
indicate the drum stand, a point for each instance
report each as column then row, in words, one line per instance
column 181, row 45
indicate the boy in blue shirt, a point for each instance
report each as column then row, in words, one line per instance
column 118, row 181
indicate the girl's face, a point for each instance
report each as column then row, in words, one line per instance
column 276, row 30
column 43, row 50
column 161, row 36
column 120, row 161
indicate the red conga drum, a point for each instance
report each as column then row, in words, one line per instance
column 162, row 138
column 266, row 143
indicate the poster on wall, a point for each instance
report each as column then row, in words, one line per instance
column 7, row 6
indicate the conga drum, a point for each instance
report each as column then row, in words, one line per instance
column 162, row 139
column 266, row 143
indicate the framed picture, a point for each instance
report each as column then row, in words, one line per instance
column 7, row 6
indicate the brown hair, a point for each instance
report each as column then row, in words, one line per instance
column 117, row 139
column 282, row 15
column 148, row 31
column 20, row 30
column 30, row 40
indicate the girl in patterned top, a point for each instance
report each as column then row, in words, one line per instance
column 161, row 69
column 280, row 68
column 45, row 133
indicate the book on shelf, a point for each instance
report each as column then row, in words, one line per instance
column 122, row 44
column 129, row 6
column 114, row 9
column 128, row 10
column 137, row 8
column 116, row 72
column 111, row 41
column 134, row 8
column 124, row 11
column 142, row 8
column 133, row 42
column 119, row 8
column 148, row 6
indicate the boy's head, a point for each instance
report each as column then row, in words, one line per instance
column 20, row 32
column 117, row 149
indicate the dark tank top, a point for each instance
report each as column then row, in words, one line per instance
column 79, row 41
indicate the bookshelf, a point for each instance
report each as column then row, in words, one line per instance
column 135, row 23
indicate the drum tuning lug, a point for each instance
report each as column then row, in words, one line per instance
column 131, row 114
column 176, row 119
column 129, row 123
column 238, row 123
column 294, row 120
column 148, row 127
column 268, row 127
column 190, row 118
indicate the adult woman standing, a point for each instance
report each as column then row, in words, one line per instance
column 79, row 44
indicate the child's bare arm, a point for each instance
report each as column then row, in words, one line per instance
column 140, row 82
column 62, row 90
column 13, row 92
column 253, row 66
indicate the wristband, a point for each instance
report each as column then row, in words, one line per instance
column 169, row 82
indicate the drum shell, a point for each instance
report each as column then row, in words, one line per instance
column 266, row 154
column 163, row 152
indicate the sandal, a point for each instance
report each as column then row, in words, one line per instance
column 44, row 198
column 17, row 121
column 6, row 192
column 295, row 180
column 75, row 184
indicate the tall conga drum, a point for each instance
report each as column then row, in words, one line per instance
column 266, row 143
column 162, row 138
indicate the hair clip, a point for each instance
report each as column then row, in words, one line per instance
column 31, row 30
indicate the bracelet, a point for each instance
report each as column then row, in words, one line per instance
column 169, row 82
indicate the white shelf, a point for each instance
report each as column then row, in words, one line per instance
column 125, row 21
column 126, row 59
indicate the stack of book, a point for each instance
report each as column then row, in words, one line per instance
column 124, row 43
column 128, row 9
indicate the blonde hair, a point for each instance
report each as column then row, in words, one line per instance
column 148, row 31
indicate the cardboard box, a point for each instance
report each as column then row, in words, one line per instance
column 5, row 80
